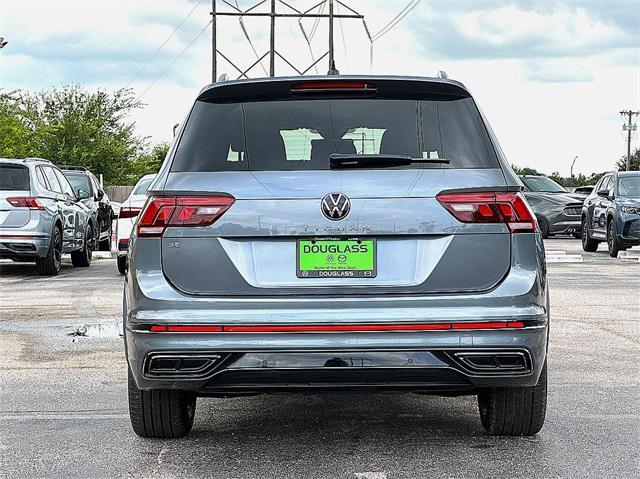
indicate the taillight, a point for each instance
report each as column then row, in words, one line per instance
column 161, row 212
column 508, row 208
column 333, row 86
column 129, row 212
column 26, row 202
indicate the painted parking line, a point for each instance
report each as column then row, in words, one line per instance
column 564, row 258
column 629, row 255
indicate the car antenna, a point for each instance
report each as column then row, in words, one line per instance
column 332, row 69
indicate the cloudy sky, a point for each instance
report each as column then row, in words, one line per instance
column 550, row 75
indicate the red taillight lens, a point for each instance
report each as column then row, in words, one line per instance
column 161, row 212
column 129, row 212
column 333, row 86
column 509, row 208
column 26, row 202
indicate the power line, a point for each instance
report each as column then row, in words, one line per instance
column 175, row 59
column 388, row 27
column 246, row 34
column 344, row 43
column 397, row 19
column 175, row 30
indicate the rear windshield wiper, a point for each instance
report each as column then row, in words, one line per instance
column 339, row 160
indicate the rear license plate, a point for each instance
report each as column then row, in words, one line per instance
column 329, row 258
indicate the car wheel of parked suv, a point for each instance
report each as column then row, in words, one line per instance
column 518, row 411
column 83, row 257
column 105, row 244
column 122, row 264
column 588, row 244
column 50, row 264
column 163, row 414
column 612, row 239
column 544, row 226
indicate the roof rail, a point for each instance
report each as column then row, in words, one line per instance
column 71, row 167
column 35, row 158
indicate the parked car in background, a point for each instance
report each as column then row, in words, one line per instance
column 128, row 213
column 87, row 187
column 115, row 206
column 336, row 233
column 611, row 213
column 41, row 217
column 557, row 210
column 583, row 190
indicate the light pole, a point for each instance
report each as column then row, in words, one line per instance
column 573, row 163
column 2, row 42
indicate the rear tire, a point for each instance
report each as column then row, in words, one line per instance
column 514, row 411
column 588, row 244
column 105, row 244
column 613, row 245
column 544, row 226
column 162, row 414
column 122, row 264
column 50, row 264
column 83, row 256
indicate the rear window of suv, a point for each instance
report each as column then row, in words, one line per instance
column 14, row 177
column 301, row 134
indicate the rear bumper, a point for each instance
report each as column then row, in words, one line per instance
column 24, row 245
column 520, row 296
column 566, row 225
column 219, row 364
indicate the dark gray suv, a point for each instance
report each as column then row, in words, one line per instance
column 336, row 234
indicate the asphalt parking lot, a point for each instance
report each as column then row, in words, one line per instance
column 63, row 406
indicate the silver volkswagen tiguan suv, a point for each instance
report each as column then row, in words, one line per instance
column 336, row 234
column 40, row 216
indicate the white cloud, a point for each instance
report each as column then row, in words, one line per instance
column 550, row 79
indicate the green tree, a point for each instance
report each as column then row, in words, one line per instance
column 74, row 126
column 634, row 164
column 149, row 162
column 525, row 170
column 15, row 132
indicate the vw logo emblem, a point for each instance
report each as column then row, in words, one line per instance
column 335, row 206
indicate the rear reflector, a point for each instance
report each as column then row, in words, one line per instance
column 177, row 328
column 161, row 212
column 491, row 207
column 324, row 328
column 129, row 212
column 26, row 202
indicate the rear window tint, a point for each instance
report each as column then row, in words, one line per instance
column 301, row 134
column 14, row 177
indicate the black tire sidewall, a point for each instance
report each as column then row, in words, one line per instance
column 544, row 226
column 612, row 240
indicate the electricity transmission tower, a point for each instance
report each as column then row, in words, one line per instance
column 291, row 12
column 629, row 127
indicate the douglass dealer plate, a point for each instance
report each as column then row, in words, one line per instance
column 331, row 258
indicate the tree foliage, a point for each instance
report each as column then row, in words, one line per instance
column 74, row 126
column 634, row 164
